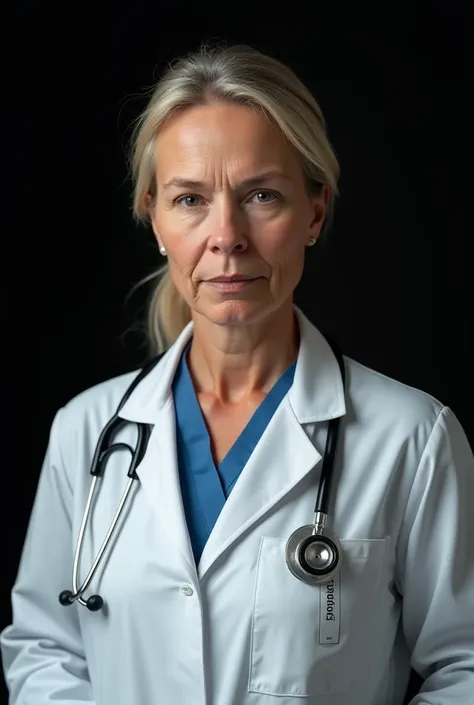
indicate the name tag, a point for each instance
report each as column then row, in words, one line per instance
column 330, row 611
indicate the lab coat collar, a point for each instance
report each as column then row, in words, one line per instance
column 317, row 393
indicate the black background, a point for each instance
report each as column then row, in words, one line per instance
column 391, row 284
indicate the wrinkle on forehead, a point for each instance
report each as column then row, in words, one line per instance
column 221, row 143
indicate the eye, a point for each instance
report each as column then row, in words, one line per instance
column 188, row 200
column 265, row 196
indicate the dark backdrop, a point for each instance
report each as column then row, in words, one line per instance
column 391, row 285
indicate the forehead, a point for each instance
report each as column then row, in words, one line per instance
column 219, row 135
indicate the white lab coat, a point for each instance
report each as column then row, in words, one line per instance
column 241, row 630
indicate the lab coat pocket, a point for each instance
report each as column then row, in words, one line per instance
column 305, row 643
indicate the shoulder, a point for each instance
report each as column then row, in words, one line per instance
column 81, row 420
column 100, row 399
column 407, row 428
column 392, row 405
column 76, row 428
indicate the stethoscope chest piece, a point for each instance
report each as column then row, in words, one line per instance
column 313, row 556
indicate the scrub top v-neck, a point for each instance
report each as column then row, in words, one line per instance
column 205, row 487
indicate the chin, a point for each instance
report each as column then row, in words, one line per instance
column 235, row 312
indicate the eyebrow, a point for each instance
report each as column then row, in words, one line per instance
column 246, row 183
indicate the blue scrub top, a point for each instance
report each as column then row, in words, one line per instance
column 205, row 487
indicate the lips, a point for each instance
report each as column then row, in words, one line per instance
column 232, row 278
column 230, row 284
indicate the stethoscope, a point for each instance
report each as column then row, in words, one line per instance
column 313, row 553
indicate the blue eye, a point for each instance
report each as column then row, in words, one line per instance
column 264, row 192
column 187, row 200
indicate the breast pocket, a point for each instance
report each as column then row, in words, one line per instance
column 311, row 640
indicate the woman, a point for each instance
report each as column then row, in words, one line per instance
column 201, row 602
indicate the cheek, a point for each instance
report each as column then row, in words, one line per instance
column 284, row 243
column 183, row 247
column 283, row 247
column 183, row 260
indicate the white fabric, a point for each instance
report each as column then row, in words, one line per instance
column 241, row 630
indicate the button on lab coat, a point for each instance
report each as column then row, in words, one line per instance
column 240, row 629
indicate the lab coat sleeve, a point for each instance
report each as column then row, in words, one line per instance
column 42, row 653
column 436, row 567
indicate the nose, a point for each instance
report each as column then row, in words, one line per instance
column 228, row 232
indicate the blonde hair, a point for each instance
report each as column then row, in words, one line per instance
column 237, row 74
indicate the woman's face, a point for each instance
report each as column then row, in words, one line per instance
column 231, row 200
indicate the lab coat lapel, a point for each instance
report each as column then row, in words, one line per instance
column 159, row 477
column 283, row 456
column 152, row 402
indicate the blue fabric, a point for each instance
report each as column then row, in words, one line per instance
column 205, row 487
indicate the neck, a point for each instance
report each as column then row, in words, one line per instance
column 232, row 363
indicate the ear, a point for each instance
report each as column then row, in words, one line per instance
column 319, row 207
column 148, row 202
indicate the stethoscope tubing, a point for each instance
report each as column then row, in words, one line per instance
column 78, row 592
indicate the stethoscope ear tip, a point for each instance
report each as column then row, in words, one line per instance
column 65, row 598
column 95, row 603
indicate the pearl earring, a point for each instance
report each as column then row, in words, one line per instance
column 163, row 251
column 312, row 242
